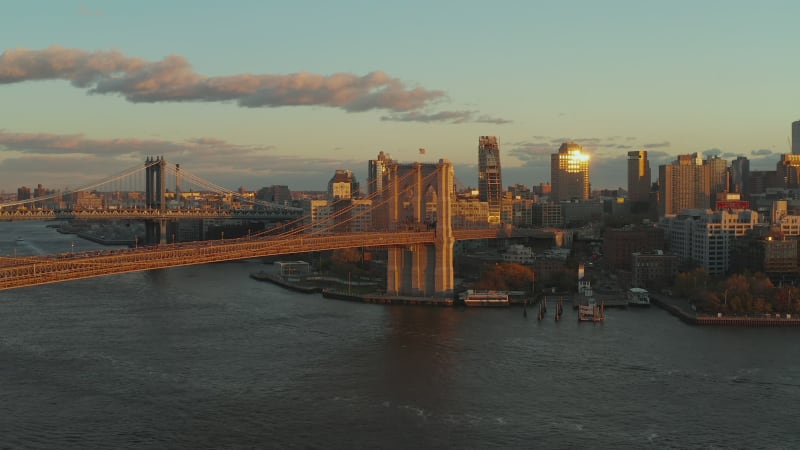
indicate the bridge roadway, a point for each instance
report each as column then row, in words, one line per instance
column 151, row 214
column 36, row 270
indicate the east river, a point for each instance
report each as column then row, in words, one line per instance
column 206, row 357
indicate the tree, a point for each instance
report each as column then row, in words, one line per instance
column 506, row 276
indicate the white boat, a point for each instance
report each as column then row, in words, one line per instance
column 638, row 297
column 485, row 298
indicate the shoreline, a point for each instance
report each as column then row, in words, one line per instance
column 671, row 306
column 375, row 298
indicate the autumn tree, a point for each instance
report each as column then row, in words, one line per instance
column 506, row 276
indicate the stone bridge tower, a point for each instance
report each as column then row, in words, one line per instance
column 421, row 199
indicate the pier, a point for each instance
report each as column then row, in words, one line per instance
column 680, row 309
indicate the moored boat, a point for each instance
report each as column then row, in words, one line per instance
column 591, row 313
column 484, row 298
column 638, row 297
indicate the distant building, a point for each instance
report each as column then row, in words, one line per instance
column 788, row 170
column 23, row 193
column 796, row 137
column 547, row 215
column 569, row 173
column 766, row 250
column 469, row 213
column 520, row 191
column 279, row 194
column 343, row 185
column 639, row 179
column 718, row 175
column 740, row 176
column 653, row 269
column 706, row 237
column 377, row 171
column 684, row 184
column 619, row 244
column 518, row 253
column 490, row 185
column 522, row 212
column 581, row 212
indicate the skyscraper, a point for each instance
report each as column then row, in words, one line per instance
column 684, row 184
column 490, row 185
column 788, row 170
column 569, row 173
column 638, row 176
column 796, row 137
column 718, row 171
column 376, row 176
column 740, row 176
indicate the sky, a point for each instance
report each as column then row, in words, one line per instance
column 259, row 93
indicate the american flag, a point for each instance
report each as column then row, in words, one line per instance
column 422, row 151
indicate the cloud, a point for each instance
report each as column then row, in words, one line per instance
column 60, row 161
column 455, row 117
column 712, row 152
column 173, row 80
column 761, row 152
column 657, row 145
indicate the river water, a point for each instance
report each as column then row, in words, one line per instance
column 205, row 357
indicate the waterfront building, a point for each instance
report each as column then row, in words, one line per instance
column 490, row 185
column 619, row 244
column 518, row 253
column 653, row 269
column 683, row 184
column 569, row 173
column 706, row 237
column 639, row 178
column 766, row 250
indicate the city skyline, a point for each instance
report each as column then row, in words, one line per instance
column 259, row 95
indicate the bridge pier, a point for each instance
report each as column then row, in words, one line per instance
column 423, row 270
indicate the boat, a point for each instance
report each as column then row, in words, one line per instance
column 638, row 297
column 591, row 313
column 19, row 240
column 484, row 298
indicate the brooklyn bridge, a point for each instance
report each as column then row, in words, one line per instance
column 411, row 217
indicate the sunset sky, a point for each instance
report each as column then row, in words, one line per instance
column 257, row 93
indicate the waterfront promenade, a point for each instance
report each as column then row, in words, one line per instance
column 681, row 308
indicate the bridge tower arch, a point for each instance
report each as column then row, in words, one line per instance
column 421, row 270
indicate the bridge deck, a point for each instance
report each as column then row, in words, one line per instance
column 36, row 270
